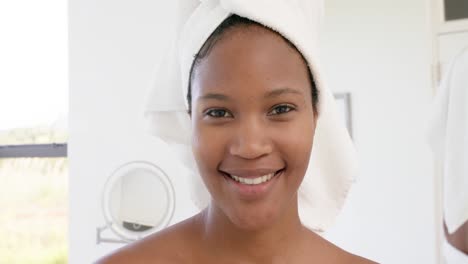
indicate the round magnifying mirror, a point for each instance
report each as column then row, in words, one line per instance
column 138, row 199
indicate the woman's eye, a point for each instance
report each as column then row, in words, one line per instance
column 217, row 113
column 281, row 109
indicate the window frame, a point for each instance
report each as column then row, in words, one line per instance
column 52, row 150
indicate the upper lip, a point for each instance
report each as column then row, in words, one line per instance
column 250, row 173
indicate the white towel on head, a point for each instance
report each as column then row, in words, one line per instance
column 333, row 164
column 448, row 136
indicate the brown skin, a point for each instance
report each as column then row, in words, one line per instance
column 459, row 238
column 248, row 125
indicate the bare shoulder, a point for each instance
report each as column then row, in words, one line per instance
column 330, row 253
column 347, row 257
column 354, row 259
column 167, row 246
column 343, row 256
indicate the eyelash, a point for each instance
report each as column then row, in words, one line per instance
column 209, row 111
column 287, row 106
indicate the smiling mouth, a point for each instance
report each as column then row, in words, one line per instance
column 253, row 181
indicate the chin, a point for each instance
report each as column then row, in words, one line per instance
column 254, row 218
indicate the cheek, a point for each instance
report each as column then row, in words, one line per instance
column 295, row 143
column 208, row 150
column 207, row 147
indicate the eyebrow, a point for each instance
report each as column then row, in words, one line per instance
column 214, row 96
column 274, row 93
column 280, row 91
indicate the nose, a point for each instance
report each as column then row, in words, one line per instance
column 250, row 140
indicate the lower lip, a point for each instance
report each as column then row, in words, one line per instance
column 252, row 191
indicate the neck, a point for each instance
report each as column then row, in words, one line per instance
column 282, row 236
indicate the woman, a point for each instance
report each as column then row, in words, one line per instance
column 253, row 104
column 446, row 136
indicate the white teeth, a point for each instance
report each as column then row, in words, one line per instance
column 253, row 181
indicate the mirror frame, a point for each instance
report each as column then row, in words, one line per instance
column 120, row 231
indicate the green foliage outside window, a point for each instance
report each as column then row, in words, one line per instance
column 33, row 202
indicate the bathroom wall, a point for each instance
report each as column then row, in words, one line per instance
column 380, row 52
column 377, row 50
column 114, row 47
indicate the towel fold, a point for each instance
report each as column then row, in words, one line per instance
column 333, row 164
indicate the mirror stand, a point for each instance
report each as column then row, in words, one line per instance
column 100, row 238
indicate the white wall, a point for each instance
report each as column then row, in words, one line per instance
column 380, row 52
column 114, row 47
column 377, row 50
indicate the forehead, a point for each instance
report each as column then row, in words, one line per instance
column 250, row 58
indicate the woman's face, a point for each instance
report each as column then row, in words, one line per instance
column 253, row 125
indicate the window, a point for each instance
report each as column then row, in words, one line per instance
column 33, row 131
